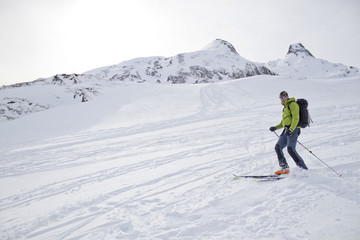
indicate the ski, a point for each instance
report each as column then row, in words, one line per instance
column 261, row 177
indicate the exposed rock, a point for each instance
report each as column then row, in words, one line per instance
column 297, row 49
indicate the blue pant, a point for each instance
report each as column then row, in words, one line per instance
column 290, row 142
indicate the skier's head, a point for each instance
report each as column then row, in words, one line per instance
column 283, row 97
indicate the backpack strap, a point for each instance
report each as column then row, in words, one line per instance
column 289, row 106
column 291, row 113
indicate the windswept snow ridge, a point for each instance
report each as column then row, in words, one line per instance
column 155, row 161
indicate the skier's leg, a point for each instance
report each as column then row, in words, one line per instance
column 291, row 147
column 280, row 145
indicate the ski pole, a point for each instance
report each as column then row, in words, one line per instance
column 340, row 175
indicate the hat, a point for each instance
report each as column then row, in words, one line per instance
column 283, row 94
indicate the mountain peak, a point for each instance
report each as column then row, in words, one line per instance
column 221, row 44
column 298, row 48
column 299, row 62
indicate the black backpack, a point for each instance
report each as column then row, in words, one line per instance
column 304, row 115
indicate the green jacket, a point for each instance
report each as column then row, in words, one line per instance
column 290, row 115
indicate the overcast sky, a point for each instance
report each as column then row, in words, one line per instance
column 41, row 38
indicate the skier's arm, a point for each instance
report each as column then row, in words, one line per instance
column 279, row 126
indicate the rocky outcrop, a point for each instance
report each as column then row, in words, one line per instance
column 297, row 49
column 14, row 107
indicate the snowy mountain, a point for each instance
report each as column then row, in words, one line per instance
column 217, row 62
column 300, row 63
column 155, row 161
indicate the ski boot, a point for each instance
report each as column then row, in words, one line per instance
column 282, row 171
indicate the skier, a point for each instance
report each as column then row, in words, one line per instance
column 288, row 137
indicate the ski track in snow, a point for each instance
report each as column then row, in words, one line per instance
column 166, row 172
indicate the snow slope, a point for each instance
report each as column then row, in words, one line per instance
column 21, row 99
column 154, row 161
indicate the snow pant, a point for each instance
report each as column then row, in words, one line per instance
column 290, row 142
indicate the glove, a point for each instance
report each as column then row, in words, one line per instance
column 288, row 132
column 272, row 129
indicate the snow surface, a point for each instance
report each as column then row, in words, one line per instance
column 155, row 161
